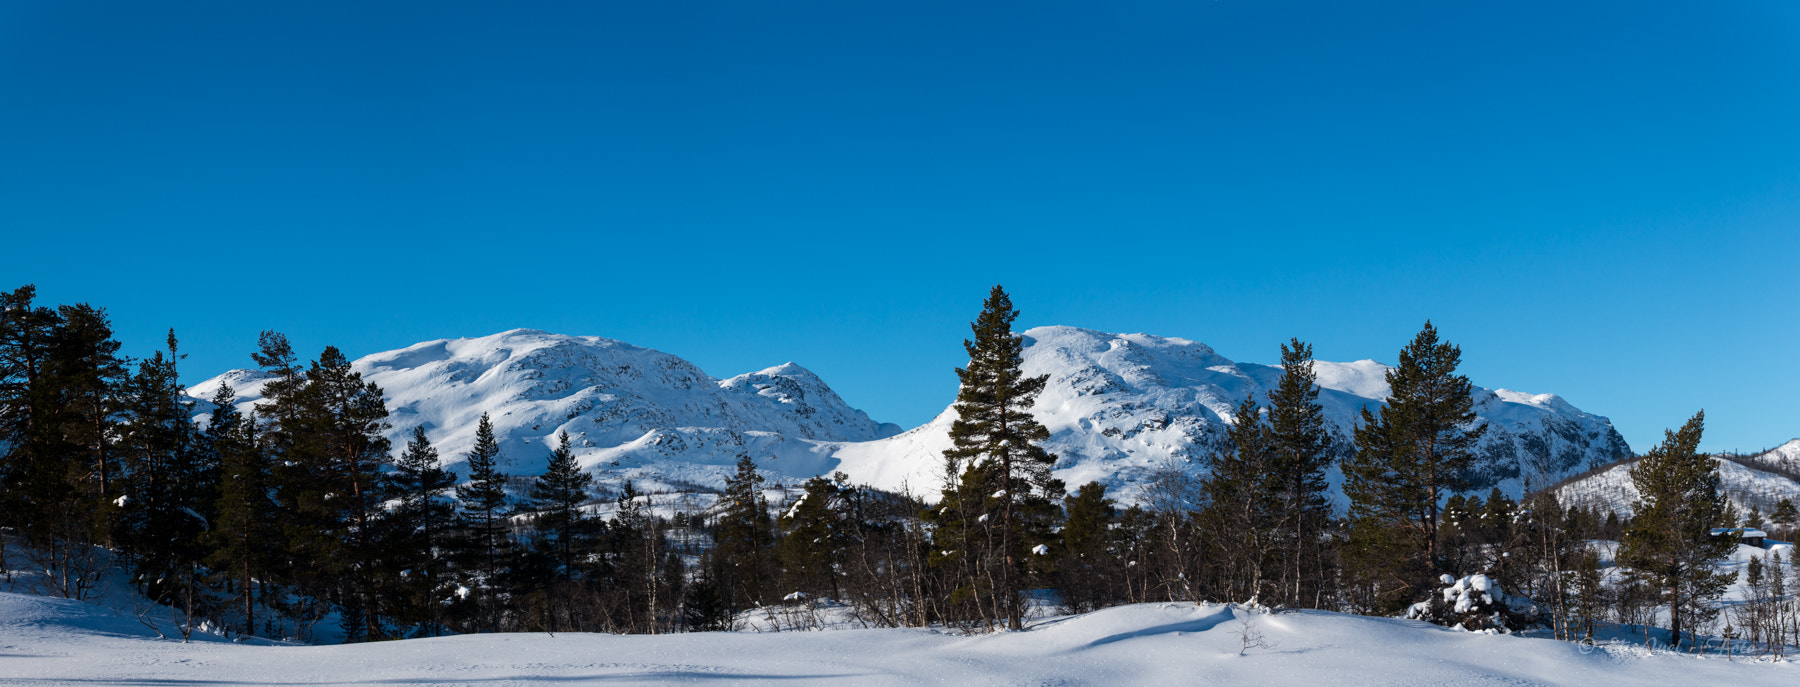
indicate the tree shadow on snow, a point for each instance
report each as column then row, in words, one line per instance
column 1200, row 625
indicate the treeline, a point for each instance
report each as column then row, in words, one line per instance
column 270, row 521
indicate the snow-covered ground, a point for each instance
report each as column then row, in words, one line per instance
column 47, row 641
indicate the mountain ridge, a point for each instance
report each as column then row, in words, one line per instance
column 1120, row 408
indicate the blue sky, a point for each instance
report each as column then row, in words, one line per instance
column 1600, row 200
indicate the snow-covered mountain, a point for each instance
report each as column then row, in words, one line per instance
column 632, row 412
column 1784, row 458
column 1120, row 407
column 1759, row 481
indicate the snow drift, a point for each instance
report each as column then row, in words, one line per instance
column 47, row 641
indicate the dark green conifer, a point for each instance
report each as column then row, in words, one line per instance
column 1590, row 600
column 556, row 496
column 815, row 538
column 244, row 537
column 67, row 478
column 420, row 526
column 1784, row 516
column 1669, row 540
column 996, row 442
column 1086, row 561
column 26, row 404
column 332, row 481
column 86, row 373
column 1302, row 454
column 484, row 510
column 742, row 555
column 1242, row 497
column 170, row 485
column 1408, row 459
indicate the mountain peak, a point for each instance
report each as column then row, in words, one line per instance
column 632, row 412
column 1122, row 407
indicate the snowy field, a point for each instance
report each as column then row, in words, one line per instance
column 46, row 641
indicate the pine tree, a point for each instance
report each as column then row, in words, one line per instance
column 28, row 460
column 1670, row 537
column 1301, row 454
column 170, row 486
column 566, row 534
column 742, row 556
column 280, row 407
column 86, row 373
column 815, row 537
column 484, row 508
column 1784, row 516
column 1590, row 597
column 556, row 496
column 1407, row 461
column 1243, row 496
column 997, row 439
column 64, row 459
column 1087, row 566
column 333, row 487
column 420, row 524
column 244, row 536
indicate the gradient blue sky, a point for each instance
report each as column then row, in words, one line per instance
column 1600, row 200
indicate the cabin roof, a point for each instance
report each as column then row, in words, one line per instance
column 1742, row 532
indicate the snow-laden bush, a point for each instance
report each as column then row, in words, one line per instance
column 1475, row 603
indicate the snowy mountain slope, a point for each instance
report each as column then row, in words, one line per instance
column 47, row 641
column 1122, row 406
column 633, row 412
column 1119, row 407
column 1746, row 487
column 1785, row 457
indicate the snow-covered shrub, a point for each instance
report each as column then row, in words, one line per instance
column 1475, row 603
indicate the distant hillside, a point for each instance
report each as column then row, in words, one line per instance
column 1756, row 481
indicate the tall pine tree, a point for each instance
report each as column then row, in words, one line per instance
column 1408, row 460
column 565, row 534
column 484, row 511
column 1301, row 451
column 996, row 442
column 743, row 553
column 557, row 496
column 171, row 485
column 418, row 531
column 334, row 486
column 816, row 534
column 71, row 473
column 1242, row 499
column 1669, row 539
column 86, row 373
column 244, row 537
column 26, row 406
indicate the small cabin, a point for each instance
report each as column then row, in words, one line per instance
column 1743, row 535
